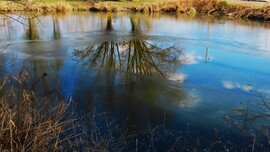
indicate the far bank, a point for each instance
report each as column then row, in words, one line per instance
column 235, row 9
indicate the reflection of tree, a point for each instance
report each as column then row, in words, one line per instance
column 6, row 26
column 135, row 24
column 56, row 27
column 135, row 56
column 148, row 59
column 109, row 22
column 32, row 32
column 138, row 22
column 2, row 64
column 102, row 55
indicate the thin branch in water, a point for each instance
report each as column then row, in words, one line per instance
column 43, row 75
column 264, row 101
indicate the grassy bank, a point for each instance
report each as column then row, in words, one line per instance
column 209, row 7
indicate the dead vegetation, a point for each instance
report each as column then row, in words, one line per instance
column 44, row 7
column 209, row 7
column 106, row 7
column 31, row 123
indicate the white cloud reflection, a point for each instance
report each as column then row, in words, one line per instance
column 179, row 77
column 228, row 85
column 232, row 85
column 190, row 58
column 247, row 88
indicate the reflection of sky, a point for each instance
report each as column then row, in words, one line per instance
column 225, row 33
column 228, row 71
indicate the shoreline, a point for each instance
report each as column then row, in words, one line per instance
column 234, row 9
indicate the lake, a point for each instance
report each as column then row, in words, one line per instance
column 205, row 76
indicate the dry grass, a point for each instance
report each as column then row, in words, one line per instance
column 106, row 7
column 24, row 128
column 38, row 124
column 31, row 124
column 210, row 7
column 45, row 7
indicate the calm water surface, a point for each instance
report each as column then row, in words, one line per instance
column 198, row 74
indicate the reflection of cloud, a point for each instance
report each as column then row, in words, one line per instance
column 190, row 101
column 190, row 58
column 247, row 88
column 179, row 77
column 228, row 84
column 231, row 85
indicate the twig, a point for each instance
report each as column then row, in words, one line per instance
column 264, row 101
column 43, row 75
column 253, row 145
column 11, row 131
